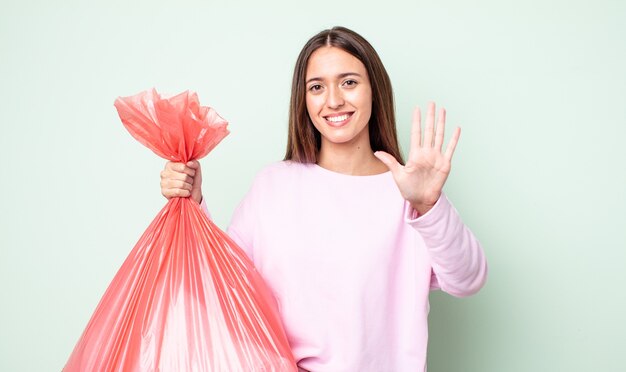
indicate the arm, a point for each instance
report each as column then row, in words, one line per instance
column 241, row 226
column 185, row 180
column 458, row 261
column 182, row 180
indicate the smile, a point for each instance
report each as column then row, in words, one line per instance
column 337, row 120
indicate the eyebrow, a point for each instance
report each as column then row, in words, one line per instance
column 340, row 76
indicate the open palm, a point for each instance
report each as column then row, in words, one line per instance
column 421, row 179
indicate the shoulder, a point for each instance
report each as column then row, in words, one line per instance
column 278, row 182
column 285, row 166
column 278, row 175
column 282, row 170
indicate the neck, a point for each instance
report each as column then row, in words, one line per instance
column 350, row 160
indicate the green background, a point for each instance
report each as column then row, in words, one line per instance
column 539, row 88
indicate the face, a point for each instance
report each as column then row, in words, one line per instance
column 338, row 97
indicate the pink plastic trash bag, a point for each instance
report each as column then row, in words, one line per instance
column 187, row 298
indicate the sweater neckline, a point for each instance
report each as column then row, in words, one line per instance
column 321, row 169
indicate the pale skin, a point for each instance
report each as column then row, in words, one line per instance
column 340, row 84
column 421, row 179
column 339, row 104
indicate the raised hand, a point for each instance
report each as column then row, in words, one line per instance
column 421, row 179
column 182, row 180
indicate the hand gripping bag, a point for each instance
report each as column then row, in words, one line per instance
column 187, row 298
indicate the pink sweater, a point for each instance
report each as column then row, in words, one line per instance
column 350, row 266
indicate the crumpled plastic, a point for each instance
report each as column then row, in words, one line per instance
column 187, row 298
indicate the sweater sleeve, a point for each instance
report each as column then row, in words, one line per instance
column 205, row 209
column 243, row 224
column 239, row 230
column 458, row 262
column 236, row 229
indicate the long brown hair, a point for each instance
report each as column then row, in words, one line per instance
column 304, row 141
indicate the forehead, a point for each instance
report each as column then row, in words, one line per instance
column 330, row 61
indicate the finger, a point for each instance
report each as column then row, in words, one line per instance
column 389, row 161
column 172, row 175
column 176, row 184
column 430, row 126
column 171, row 166
column 416, row 132
column 198, row 175
column 440, row 130
column 165, row 175
column 452, row 144
column 193, row 164
column 185, row 169
column 180, row 168
column 176, row 193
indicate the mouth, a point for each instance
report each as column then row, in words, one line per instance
column 337, row 120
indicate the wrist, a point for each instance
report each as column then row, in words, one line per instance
column 197, row 197
column 421, row 208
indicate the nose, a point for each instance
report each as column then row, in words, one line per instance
column 335, row 98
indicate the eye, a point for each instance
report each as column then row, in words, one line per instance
column 315, row 88
column 350, row 83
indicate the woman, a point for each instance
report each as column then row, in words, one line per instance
column 349, row 239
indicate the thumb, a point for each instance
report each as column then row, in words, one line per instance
column 388, row 160
column 193, row 164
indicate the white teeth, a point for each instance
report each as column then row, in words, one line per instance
column 336, row 119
